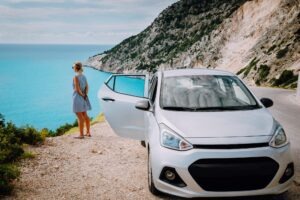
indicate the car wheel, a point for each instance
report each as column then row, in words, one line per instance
column 151, row 185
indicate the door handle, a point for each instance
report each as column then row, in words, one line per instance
column 107, row 99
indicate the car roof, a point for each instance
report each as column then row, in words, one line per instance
column 195, row 71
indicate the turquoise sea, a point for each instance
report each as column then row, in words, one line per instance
column 36, row 83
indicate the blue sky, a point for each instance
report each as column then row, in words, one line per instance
column 75, row 21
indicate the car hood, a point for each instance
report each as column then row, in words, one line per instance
column 245, row 123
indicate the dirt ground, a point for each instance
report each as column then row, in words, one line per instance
column 104, row 166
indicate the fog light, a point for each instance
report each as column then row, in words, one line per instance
column 170, row 175
column 288, row 173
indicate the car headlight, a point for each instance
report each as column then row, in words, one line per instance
column 279, row 139
column 169, row 139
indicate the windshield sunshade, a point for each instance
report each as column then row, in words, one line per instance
column 206, row 93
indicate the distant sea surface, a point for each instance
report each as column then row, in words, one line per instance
column 36, row 83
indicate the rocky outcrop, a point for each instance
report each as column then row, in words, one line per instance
column 258, row 39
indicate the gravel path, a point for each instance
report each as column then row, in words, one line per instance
column 102, row 167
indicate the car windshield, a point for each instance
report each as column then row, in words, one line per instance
column 205, row 93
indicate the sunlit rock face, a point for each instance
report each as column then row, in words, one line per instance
column 258, row 40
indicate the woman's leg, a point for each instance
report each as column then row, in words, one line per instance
column 80, row 119
column 87, row 123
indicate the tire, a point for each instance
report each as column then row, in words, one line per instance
column 282, row 196
column 151, row 185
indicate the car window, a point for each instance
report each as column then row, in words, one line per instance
column 111, row 83
column 206, row 92
column 130, row 85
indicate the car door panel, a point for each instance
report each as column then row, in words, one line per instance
column 121, row 114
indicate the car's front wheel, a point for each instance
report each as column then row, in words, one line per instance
column 151, row 185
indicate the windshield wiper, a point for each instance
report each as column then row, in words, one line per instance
column 248, row 107
column 178, row 108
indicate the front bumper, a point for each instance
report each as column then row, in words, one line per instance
column 181, row 161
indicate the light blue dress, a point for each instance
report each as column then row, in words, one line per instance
column 79, row 103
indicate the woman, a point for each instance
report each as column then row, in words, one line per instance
column 81, row 103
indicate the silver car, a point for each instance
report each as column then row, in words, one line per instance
column 206, row 134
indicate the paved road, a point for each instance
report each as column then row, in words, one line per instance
column 286, row 110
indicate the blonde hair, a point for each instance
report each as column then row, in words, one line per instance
column 78, row 66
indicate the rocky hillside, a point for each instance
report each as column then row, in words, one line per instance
column 258, row 39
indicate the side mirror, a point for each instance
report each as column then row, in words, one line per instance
column 266, row 102
column 143, row 105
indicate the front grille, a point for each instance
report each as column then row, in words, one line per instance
column 233, row 174
column 230, row 146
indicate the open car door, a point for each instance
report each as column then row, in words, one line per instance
column 118, row 97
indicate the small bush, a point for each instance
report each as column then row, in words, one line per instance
column 282, row 52
column 241, row 71
column 8, row 172
column 271, row 48
column 28, row 155
column 252, row 64
column 133, row 55
column 263, row 72
column 286, row 78
column 62, row 129
column 44, row 133
column 246, row 70
column 2, row 121
column 30, row 135
column 10, row 144
column 257, row 82
column 294, row 85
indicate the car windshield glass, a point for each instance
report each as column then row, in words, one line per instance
column 205, row 93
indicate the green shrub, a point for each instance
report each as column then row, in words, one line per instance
column 10, row 144
column 10, row 150
column 62, row 129
column 241, row 71
column 246, row 70
column 133, row 55
column 271, row 48
column 294, row 85
column 2, row 121
column 29, row 135
column 286, row 78
column 282, row 52
column 28, row 155
column 8, row 172
column 263, row 72
column 252, row 64
column 44, row 133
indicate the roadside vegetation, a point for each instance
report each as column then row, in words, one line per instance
column 263, row 72
column 287, row 79
column 13, row 142
column 12, row 139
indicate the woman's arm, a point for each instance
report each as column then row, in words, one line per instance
column 77, row 88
